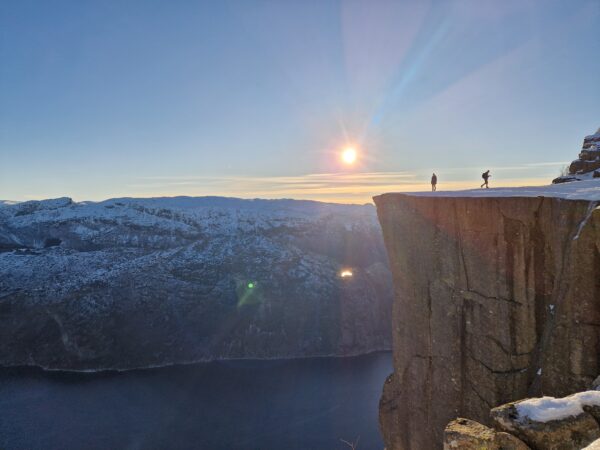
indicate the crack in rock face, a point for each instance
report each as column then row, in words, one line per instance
column 496, row 299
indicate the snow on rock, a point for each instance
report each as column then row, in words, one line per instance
column 8, row 203
column 587, row 164
column 568, row 423
column 583, row 190
column 38, row 205
column 545, row 409
column 143, row 282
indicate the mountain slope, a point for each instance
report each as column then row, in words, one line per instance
column 140, row 282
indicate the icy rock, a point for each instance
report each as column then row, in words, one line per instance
column 589, row 157
column 571, row 432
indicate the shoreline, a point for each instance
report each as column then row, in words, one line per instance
column 112, row 370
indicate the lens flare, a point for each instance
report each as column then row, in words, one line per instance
column 248, row 293
column 349, row 155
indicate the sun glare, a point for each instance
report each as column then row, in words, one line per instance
column 349, row 155
column 346, row 273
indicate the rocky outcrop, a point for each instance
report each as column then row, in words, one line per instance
column 572, row 432
column 547, row 423
column 465, row 434
column 496, row 299
column 588, row 161
column 146, row 282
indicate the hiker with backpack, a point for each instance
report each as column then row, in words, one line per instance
column 485, row 175
column 433, row 182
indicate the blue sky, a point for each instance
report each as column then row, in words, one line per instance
column 257, row 98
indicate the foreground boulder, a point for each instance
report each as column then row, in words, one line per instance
column 467, row 434
column 548, row 423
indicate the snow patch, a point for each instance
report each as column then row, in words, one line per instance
column 589, row 213
column 8, row 203
column 545, row 409
column 576, row 190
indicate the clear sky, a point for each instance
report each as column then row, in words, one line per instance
column 257, row 98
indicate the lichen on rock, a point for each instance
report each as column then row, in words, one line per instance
column 465, row 434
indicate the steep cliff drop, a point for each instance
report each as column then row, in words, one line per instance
column 497, row 297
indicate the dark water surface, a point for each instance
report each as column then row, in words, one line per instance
column 283, row 404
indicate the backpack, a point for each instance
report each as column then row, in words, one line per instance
column 483, row 175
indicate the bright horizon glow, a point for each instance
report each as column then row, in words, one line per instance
column 253, row 99
column 349, row 155
column 356, row 187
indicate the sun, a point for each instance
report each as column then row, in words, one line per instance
column 349, row 155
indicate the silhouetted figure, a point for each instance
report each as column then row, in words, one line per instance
column 433, row 182
column 485, row 175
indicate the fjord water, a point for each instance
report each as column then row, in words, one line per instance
column 247, row 404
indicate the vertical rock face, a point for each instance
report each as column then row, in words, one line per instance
column 496, row 299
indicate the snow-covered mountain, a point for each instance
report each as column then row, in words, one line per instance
column 140, row 282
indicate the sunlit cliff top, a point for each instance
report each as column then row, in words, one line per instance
column 577, row 190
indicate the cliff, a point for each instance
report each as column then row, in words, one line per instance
column 497, row 297
column 130, row 283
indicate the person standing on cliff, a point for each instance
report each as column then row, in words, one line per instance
column 485, row 175
column 433, row 182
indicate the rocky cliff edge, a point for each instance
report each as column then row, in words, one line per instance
column 497, row 298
